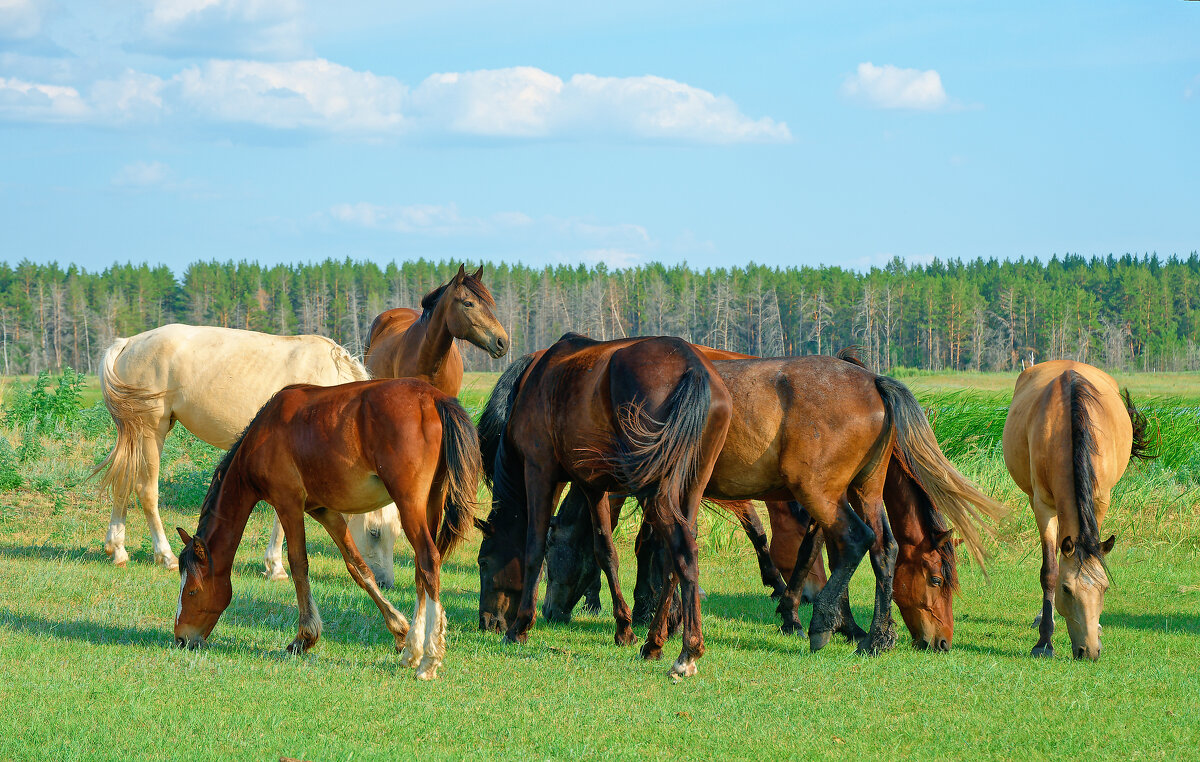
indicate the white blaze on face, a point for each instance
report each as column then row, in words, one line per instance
column 179, row 608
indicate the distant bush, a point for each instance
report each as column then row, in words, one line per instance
column 36, row 412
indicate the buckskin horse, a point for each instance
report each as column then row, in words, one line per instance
column 1068, row 439
column 407, row 343
column 330, row 451
column 814, row 430
column 642, row 416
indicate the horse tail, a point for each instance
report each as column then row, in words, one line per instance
column 495, row 414
column 953, row 494
column 460, row 455
column 348, row 367
column 1142, row 447
column 130, row 407
column 663, row 457
column 1083, row 449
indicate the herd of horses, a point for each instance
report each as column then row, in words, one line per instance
column 844, row 458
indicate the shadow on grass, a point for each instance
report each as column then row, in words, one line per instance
column 58, row 553
column 82, row 630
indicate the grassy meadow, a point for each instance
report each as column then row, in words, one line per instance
column 87, row 670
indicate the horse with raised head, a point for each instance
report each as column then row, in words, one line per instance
column 407, row 343
column 330, row 451
column 643, row 416
column 210, row 380
column 1068, row 439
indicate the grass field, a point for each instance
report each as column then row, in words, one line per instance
column 87, row 669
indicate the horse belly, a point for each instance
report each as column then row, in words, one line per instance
column 354, row 495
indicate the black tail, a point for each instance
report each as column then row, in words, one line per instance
column 1142, row 448
column 1083, row 449
column 460, row 455
column 663, row 457
column 496, row 411
column 951, row 492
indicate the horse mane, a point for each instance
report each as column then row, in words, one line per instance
column 475, row 286
column 1083, row 448
column 933, row 522
column 494, row 418
column 208, row 508
column 851, row 355
column 1142, row 448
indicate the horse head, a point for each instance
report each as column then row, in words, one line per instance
column 203, row 595
column 468, row 309
column 1082, row 582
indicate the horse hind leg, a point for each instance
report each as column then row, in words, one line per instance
column 1048, row 531
column 273, row 559
column 147, row 491
column 308, row 629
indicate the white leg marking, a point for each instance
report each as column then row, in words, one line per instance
column 274, row 556
column 414, row 643
column 435, row 641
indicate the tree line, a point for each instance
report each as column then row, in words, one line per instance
column 1128, row 312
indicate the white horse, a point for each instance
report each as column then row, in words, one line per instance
column 212, row 381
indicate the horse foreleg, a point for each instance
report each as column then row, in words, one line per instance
column 685, row 555
column 789, row 603
column 541, row 492
column 273, row 559
column 339, row 531
column 882, row 635
column 1047, row 518
column 768, row 572
column 606, row 556
column 309, row 626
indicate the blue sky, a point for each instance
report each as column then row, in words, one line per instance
column 714, row 133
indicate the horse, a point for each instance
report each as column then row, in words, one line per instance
column 1068, row 438
column 814, row 430
column 405, row 343
column 211, row 381
column 643, row 416
column 329, row 451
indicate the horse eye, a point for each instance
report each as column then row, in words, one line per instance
column 191, row 592
column 936, row 581
column 374, row 531
column 468, row 303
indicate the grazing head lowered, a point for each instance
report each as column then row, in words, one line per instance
column 1079, row 597
column 467, row 308
column 203, row 595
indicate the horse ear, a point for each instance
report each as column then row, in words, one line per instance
column 478, row 274
column 462, row 272
column 1068, row 546
column 1108, row 544
column 200, row 551
column 183, row 535
column 483, row 526
column 942, row 538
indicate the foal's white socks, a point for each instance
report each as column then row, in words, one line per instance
column 425, row 646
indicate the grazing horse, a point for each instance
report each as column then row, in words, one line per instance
column 405, row 343
column 644, row 416
column 210, row 380
column 815, row 430
column 1068, row 439
column 329, row 451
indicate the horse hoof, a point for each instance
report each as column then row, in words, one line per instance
column 683, row 669
column 297, row 647
column 626, row 638
column 792, row 628
column 1043, row 652
column 818, row 640
column 170, row 563
column 510, row 639
column 651, row 653
column 120, row 557
column 410, row 658
column 427, row 674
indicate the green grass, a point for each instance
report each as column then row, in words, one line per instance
column 87, row 670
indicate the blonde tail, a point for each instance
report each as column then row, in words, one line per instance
column 129, row 407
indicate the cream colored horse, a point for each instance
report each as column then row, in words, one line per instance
column 1068, row 438
column 212, row 381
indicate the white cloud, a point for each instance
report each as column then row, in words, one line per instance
column 22, row 101
column 142, row 174
column 223, row 28
column 612, row 257
column 315, row 95
column 427, row 219
column 21, row 19
column 891, row 87
column 528, row 102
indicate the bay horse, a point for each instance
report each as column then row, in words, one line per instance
column 643, row 416
column 1068, row 439
column 211, row 381
column 814, row 430
column 330, row 451
column 407, row 343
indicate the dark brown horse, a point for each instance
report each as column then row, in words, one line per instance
column 643, row 416
column 329, row 451
column 818, row 430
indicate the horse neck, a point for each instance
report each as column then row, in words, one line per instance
column 434, row 340
column 224, row 528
